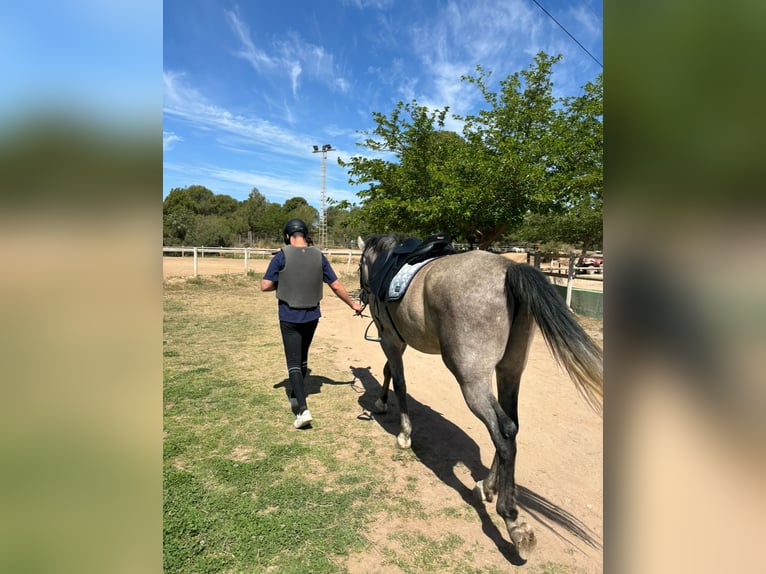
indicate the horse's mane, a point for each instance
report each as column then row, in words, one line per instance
column 382, row 242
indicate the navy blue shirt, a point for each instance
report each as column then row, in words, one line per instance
column 291, row 314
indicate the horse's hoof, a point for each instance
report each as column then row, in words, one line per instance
column 524, row 539
column 403, row 441
column 380, row 407
column 479, row 491
column 482, row 494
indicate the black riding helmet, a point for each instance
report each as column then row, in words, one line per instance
column 294, row 226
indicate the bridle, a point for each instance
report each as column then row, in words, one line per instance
column 364, row 297
column 364, row 290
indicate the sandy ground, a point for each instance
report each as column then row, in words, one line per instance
column 559, row 465
column 559, row 468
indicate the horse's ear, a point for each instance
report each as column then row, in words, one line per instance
column 360, row 242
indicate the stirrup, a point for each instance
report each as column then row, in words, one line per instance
column 368, row 338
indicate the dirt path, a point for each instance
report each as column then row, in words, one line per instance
column 559, row 466
column 559, row 463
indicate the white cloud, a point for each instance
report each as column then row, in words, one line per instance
column 257, row 58
column 373, row 4
column 500, row 35
column 291, row 55
column 589, row 26
column 275, row 187
column 295, row 74
column 342, row 85
column 169, row 140
column 185, row 103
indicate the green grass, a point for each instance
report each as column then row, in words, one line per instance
column 243, row 491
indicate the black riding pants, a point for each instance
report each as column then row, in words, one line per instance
column 297, row 338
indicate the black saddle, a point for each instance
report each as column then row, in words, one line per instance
column 409, row 252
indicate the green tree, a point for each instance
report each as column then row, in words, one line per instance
column 343, row 227
column 398, row 192
column 178, row 213
column 298, row 207
column 210, row 231
column 574, row 213
column 272, row 222
column 250, row 214
column 202, row 198
column 224, row 205
column 525, row 153
column 509, row 159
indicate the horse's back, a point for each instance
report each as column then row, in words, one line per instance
column 467, row 276
column 459, row 296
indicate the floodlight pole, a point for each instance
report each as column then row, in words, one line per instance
column 323, row 215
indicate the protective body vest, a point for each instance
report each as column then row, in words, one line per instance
column 300, row 282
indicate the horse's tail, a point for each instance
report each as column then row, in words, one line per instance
column 573, row 349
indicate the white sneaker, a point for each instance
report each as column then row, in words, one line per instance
column 303, row 419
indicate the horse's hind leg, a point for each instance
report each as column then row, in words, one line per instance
column 500, row 481
column 508, row 372
column 475, row 382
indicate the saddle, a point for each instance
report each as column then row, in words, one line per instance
column 392, row 272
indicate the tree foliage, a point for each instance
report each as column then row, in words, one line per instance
column 526, row 153
column 195, row 215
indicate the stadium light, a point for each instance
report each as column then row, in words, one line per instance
column 323, row 214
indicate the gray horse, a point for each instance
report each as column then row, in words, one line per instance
column 478, row 310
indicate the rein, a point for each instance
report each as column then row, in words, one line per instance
column 364, row 297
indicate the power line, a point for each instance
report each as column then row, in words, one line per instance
column 567, row 31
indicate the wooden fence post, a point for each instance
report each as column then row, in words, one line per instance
column 195, row 261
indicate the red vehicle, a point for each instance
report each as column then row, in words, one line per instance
column 590, row 264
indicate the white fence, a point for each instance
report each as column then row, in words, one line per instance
column 248, row 253
column 560, row 267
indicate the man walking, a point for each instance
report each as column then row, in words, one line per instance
column 297, row 273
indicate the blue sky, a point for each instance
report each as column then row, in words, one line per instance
column 250, row 87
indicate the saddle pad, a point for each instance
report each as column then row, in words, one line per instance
column 401, row 280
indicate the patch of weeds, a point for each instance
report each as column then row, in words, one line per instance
column 426, row 554
column 189, row 385
column 412, row 484
column 405, row 506
column 176, row 444
column 171, row 306
column 403, row 455
column 185, row 525
column 463, row 512
column 198, row 280
column 551, row 568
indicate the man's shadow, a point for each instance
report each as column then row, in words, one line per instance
column 440, row 445
column 312, row 385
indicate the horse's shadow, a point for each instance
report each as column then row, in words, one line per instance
column 441, row 445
